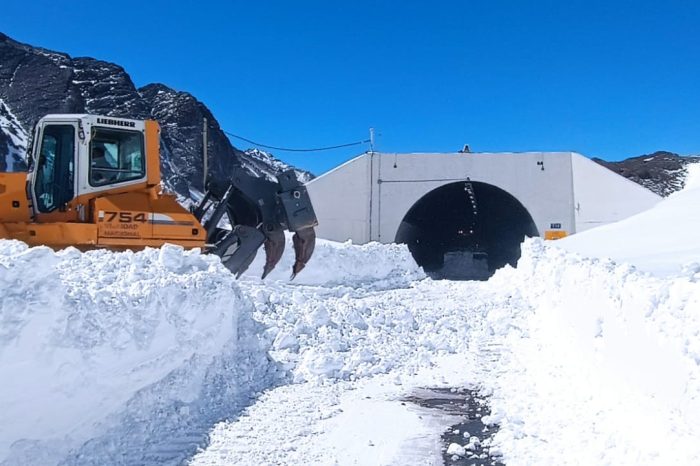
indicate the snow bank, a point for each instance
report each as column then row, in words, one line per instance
column 120, row 358
column 315, row 322
column 337, row 334
column 660, row 240
column 602, row 367
column 130, row 358
column 370, row 265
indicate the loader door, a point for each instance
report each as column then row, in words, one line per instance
column 54, row 171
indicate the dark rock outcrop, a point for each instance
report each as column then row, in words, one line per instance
column 181, row 119
column 35, row 82
column 13, row 140
column 661, row 172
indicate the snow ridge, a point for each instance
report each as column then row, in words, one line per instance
column 120, row 358
column 602, row 367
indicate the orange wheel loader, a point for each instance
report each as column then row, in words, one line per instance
column 94, row 182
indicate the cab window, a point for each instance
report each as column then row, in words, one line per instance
column 116, row 156
column 53, row 185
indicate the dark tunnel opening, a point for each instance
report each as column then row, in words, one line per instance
column 465, row 230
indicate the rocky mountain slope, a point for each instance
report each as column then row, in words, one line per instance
column 13, row 141
column 36, row 81
column 661, row 172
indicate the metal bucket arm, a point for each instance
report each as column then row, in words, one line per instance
column 266, row 206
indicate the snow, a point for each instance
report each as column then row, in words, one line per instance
column 456, row 449
column 345, row 264
column 139, row 358
column 600, row 366
column 661, row 240
column 113, row 355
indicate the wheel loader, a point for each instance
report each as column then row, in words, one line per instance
column 94, row 182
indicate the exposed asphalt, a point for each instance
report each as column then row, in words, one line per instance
column 471, row 407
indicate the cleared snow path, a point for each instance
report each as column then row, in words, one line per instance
column 355, row 354
column 584, row 362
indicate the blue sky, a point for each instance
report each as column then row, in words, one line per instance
column 610, row 79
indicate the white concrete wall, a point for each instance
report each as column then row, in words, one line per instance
column 366, row 198
column 402, row 179
column 341, row 199
column 602, row 196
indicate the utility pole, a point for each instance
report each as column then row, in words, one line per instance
column 205, row 154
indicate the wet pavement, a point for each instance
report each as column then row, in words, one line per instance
column 471, row 434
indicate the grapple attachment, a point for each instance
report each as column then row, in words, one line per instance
column 259, row 211
column 304, row 242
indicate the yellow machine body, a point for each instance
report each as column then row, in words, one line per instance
column 94, row 182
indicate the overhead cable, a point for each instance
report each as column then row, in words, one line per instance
column 288, row 149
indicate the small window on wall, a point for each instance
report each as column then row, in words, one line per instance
column 116, row 156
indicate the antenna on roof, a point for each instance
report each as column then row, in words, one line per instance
column 371, row 139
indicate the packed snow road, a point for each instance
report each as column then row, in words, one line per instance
column 353, row 355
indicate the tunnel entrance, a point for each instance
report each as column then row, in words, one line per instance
column 465, row 230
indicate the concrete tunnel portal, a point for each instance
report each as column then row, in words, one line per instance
column 465, row 230
column 464, row 215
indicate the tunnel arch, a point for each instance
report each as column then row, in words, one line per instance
column 465, row 230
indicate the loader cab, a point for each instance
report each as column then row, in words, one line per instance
column 80, row 157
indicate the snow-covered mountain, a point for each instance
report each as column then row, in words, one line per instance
column 259, row 162
column 36, row 81
column 13, row 141
column 662, row 172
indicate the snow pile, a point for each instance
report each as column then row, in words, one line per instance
column 352, row 354
column 660, row 240
column 601, row 367
column 371, row 265
column 120, row 358
column 337, row 333
column 130, row 358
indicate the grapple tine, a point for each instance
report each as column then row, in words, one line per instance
column 238, row 249
column 274, row 247
column 304, row 242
